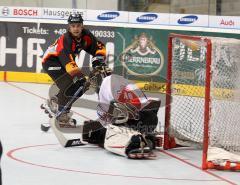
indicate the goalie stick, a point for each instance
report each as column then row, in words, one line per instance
column 58, row 131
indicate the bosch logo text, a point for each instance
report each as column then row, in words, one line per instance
column 108, row 16
column 146, row 18
column 25, row 12
column 187, row 19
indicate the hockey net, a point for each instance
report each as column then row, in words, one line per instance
column 203, row 98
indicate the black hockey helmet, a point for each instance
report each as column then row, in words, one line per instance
column 75, row 18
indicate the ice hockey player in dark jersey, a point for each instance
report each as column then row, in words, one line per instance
column 59, row 63
column 127, row 119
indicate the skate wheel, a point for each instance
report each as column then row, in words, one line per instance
column 42, row 107
column 50, row 116
column 45, row 127
column 46, row 111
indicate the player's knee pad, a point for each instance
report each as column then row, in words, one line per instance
column 94, row 132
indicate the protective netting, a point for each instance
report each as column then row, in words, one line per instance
column 188, row 82
column 224, row 125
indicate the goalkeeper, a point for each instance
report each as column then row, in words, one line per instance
column 127, row 119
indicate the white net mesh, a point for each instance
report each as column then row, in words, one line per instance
column 187, row 106
column 225, row 103
column 188, row 95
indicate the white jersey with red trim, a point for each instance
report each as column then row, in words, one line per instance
column 116, row 88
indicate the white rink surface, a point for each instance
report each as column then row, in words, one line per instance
column 32, row 157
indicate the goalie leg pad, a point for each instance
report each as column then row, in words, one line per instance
column 119, row 138
column 93, row 132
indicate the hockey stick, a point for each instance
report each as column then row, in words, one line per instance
column 46, row 127
column 81, row 88
column 92, row 76
column 58, row 131
column 69, row 102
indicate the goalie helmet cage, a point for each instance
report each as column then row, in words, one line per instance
column 203, row 98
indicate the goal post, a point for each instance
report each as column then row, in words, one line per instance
column 203, row 98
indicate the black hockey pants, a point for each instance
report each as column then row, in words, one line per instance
column 63, row 81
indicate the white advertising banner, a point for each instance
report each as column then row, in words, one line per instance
column 232, row 22
column 20, row 12
column 189, row 20
column 107, row 16
column 61, row 13
column 39, row 13
column 141, row 18
column 148, row 18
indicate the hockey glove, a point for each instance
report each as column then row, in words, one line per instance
column 98, row 62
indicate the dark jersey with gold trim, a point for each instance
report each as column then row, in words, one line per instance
column 66, row 47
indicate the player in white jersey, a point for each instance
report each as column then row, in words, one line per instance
column 127, row 118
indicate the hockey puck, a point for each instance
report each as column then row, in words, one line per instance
column 45, row 127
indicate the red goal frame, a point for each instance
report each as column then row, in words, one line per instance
column 169, row 141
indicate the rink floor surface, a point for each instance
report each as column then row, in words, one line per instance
column 32, row 157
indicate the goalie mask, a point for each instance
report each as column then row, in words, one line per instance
column 118, row 113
